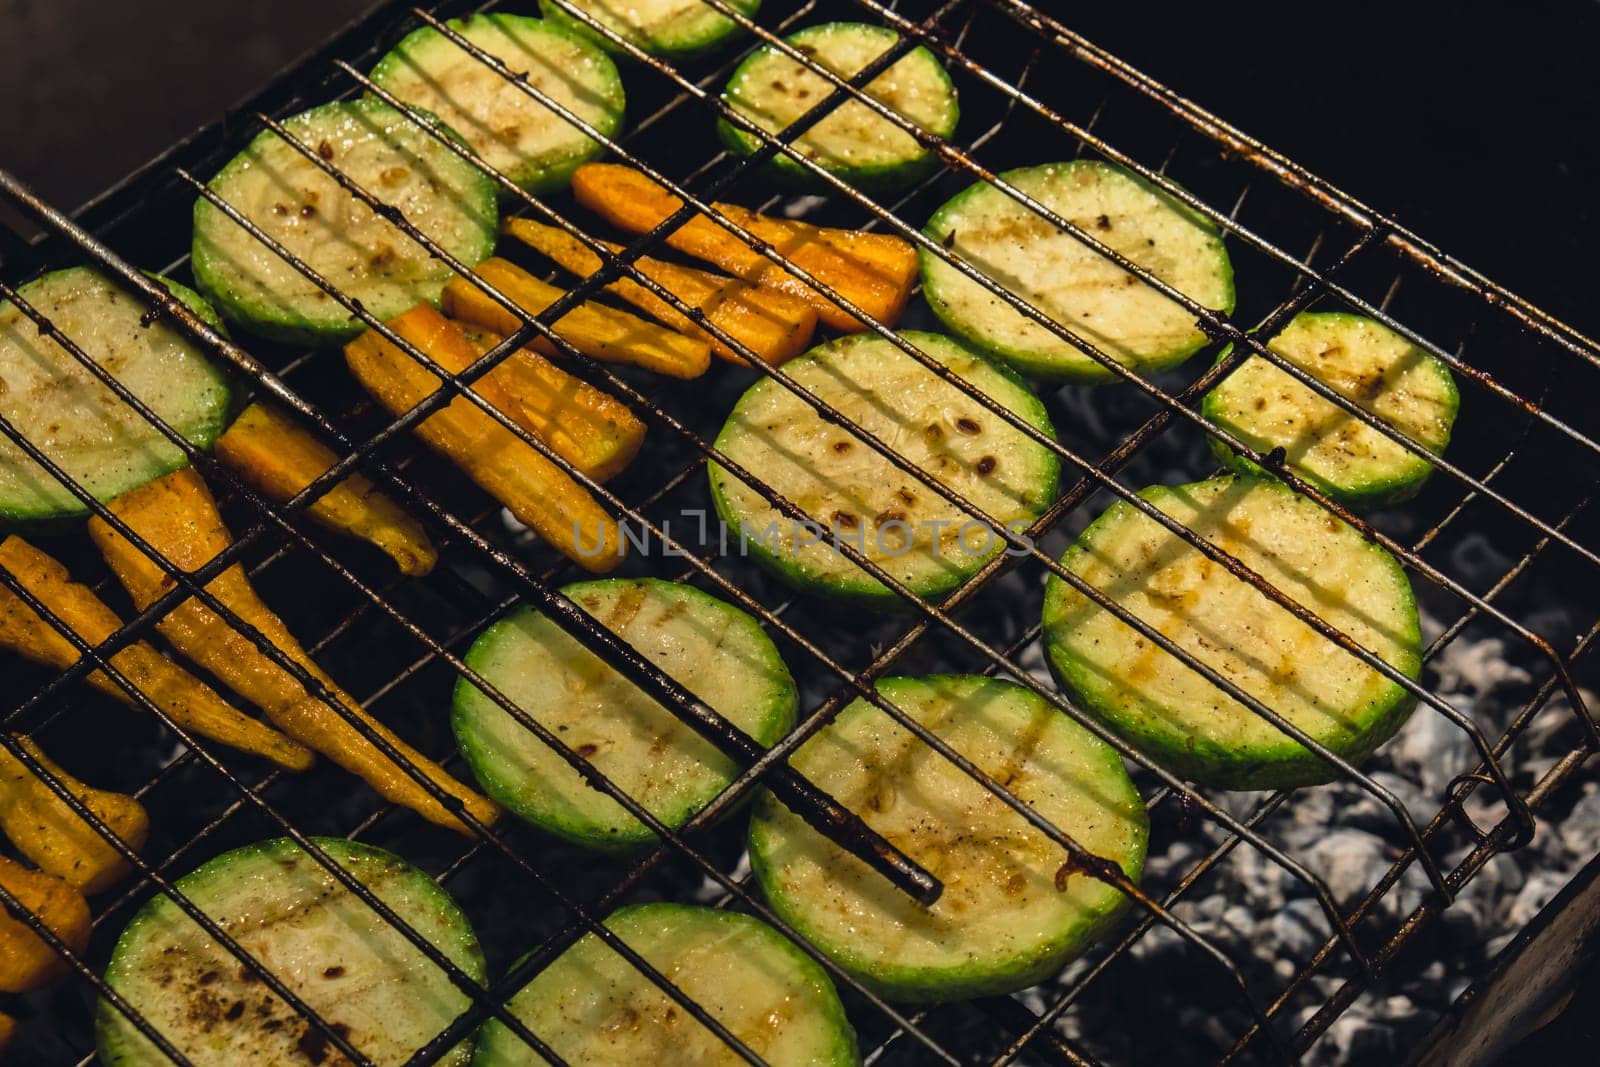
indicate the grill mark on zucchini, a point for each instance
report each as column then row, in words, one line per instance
column 716, row 651
column 782, row 440
column 1362, row 360
column 1085, row 293
column 1009, row 915
column 1173, row 714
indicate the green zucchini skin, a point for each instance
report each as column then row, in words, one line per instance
column 1076, row 286
column 189, row 987
column 367, row 258
column 1352, row 463
column 781, row 440
column 853, row 143
column 1192, row 728
column 116, row 451
column 511, row 131
column 712, row 648
column 756, row 982
column 686, row 30
column 1005, row 923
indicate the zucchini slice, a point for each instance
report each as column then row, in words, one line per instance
column 334, row 952
column 853, row 141
column 1013, row 910
column 335, row 233
column 58, row 405
column 1080, row 289
column 675, row 29
column 512, row 132
column 855, row 494
column 1179, row 718
column 713, row 649
column 592, row 1006
column 1359, row 359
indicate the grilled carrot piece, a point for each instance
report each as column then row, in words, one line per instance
column 874, row 271
column 278, row 458
column 589, row 428
column 597, row 331
column 26, row 961
column 179, row 519
column 775, row 325
column 537, row 492
column 47, row 831
column 191, row 703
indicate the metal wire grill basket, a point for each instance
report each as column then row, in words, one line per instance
column 1031, row 90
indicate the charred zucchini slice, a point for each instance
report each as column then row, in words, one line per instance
column 1013, row 910
column 854, row 494
column 713, row 649
column 102, row 443
column 853, row 141
column 1180, row 719
column 1359, row 359
column 510, row 130
column 675, row 29
column 1088, row 295
column 367, row 257
column 343, row 959
column 592, row 1006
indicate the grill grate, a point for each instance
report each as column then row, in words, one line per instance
column 1528, row 380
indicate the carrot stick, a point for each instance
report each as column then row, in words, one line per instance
column 45, row 829
column 537, row 492
column 190, row 703
column 26, row 961
column 874, row 271
column 278, row 458
column 597, row 331
column 773, row 324
column 179, row 519
column 588, row 428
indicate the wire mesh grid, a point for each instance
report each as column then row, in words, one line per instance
column 1030, row 90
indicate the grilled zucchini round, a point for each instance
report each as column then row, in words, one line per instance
column 368, row 258
column 1359, row 359
column 1014, row 911
column 711, row 648
column 853, row 141
column 1180, row 719
column 510, row 130
column 334, row 952
column 855, row 494
column 592, row 1006
column 1082, row 291
column 674, row 29
column 55, row 403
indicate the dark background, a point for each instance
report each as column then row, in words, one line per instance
column 1473, row 123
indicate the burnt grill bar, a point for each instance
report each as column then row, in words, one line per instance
column 768, row 768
